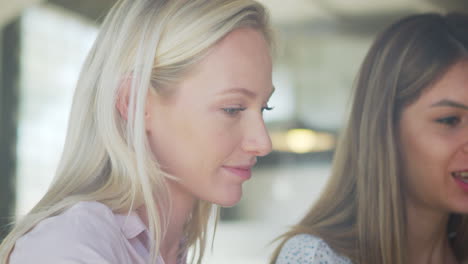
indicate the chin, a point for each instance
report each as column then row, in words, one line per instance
column 229, row 204
column 460, row 208
column 229, row 199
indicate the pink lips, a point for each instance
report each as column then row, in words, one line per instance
column 460, row 183
column 463, row 185
column 244, row 172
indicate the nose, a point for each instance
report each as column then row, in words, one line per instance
column 257, row 140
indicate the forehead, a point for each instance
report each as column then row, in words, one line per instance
column 243, row 51
column 453, row 85
column 240, row 60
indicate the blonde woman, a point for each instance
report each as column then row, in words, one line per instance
column 166, row 121
column 398, row 193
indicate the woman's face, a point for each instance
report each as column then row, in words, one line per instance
column 434, row 144
column 209, row 132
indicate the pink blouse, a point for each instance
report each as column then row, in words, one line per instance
column 88, row 232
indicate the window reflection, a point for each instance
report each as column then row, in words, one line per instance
column 54, row 46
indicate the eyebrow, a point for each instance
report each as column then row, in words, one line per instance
column 246, row 92
column 450, row 103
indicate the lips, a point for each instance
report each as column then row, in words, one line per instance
column 244, row 172
column 461, row 175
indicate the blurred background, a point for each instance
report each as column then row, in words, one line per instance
column 321, row 44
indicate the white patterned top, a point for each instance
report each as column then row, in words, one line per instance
column 308, row 249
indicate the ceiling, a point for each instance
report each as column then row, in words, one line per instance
column 297, row 11
column 283, row 12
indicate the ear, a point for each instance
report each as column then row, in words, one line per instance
column 123, row 97
column 123, row 100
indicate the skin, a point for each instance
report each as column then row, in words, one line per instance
column 434, row 143
column 209, row 132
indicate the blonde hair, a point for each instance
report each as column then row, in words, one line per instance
column 361, row 213
column 106, row 158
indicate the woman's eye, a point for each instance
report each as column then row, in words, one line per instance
column 267, row 108
column 233, row 110
column 449, row 121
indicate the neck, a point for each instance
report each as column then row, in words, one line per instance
column 182, row 206
column 427, row 236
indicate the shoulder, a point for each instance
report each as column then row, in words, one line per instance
column 308, row 249
column 80, row 221
column 87, row 230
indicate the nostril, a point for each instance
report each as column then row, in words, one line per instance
column 266, row 150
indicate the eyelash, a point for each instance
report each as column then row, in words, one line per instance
column 267, row 108
column 450, row 121
column 232, row 111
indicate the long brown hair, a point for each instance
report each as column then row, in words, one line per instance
column 361, row 212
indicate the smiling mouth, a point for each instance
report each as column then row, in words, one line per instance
column 461, row 175
column 243, row 172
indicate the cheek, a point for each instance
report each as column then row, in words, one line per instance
column 171, row 142
column 163, row 151
column 229, row 137
column 426, row 160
